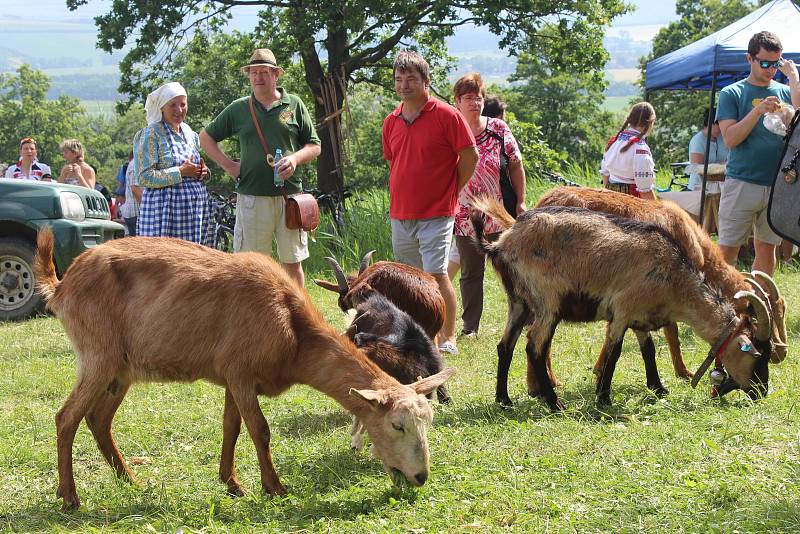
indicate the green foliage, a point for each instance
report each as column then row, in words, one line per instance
column 350, row 40
column 109, row 142
column 26, row 112
column 565, row 102
column 680, row 113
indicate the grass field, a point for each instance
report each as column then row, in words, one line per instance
column 99, row 107
column 685, row 463
column 623, row 75
column 617, row 104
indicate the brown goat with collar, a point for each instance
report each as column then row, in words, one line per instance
column 183, row 312
column 701, row 251
column 563, row 263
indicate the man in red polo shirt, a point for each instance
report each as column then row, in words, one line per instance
column 431, row 154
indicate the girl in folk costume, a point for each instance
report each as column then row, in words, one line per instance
column 167, row 164
column 628, row 165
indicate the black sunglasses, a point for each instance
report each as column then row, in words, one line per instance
column 764, row 64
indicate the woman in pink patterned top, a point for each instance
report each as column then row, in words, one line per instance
column 491, row 137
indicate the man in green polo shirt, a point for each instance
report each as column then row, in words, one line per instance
column 286, row 124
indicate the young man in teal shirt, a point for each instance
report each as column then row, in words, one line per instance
column 754, row 150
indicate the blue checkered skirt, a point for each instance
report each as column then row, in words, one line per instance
column 182, row 210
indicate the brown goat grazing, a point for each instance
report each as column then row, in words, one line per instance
column 702, row 252
column 412, row 290
column 183, row 312
column 564, row 263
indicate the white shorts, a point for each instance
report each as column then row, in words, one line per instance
column 259, row 221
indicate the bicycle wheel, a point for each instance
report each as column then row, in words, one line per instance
column 223, row 239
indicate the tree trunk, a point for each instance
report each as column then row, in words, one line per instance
column 329, row 177
column 328, row 87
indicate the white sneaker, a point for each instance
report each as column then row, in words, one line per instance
column 449, row 347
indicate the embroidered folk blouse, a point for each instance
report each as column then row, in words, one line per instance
column 634, row 166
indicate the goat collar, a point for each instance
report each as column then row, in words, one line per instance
column 733, row 328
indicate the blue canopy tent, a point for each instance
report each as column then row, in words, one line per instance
column 719, row 59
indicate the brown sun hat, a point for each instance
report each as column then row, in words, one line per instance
column 262, row 57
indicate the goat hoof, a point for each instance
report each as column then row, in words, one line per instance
column 557, row 406
column 604, row 399
column 71, row 502
column 236, row 490
column 685, row 375
column 660, row 391
column 279, row 491
column 504, row 402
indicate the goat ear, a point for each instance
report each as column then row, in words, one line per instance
column 330, row 286
column 428, row 385
column 365, row 291
column 375, row 398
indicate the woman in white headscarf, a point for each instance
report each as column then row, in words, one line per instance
column 167, row 163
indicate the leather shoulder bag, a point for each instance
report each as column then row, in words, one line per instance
column 506, row 189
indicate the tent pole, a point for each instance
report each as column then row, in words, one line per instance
column 708, row 145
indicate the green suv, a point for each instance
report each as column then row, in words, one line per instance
column 79, row 218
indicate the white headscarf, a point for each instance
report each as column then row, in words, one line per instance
column 159, row 98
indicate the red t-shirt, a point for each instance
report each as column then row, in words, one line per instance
column 423, row 159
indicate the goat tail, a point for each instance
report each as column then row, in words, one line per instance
column 494, row 209
column 480, row 240
column 46, row 279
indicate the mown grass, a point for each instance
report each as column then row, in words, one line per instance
column 685, row 463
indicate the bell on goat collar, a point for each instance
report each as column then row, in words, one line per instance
column 717, row 376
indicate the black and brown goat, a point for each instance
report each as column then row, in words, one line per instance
column 411, row 289
column 397, row 344
column 571, row 264
column 183, row 312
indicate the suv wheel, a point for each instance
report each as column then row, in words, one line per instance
column 18, row 296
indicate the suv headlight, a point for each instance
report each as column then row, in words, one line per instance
column 72, row 206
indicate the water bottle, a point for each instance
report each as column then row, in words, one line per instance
column 278, row 156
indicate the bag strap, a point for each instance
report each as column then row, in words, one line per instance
column 267, row 154
column 498, row 137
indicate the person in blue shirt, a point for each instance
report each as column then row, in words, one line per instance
column 717, row 153
column 754, row 150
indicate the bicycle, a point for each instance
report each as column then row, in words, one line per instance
column 333, row 203
column 223, row 212
column 679, row 178
column 556, row 178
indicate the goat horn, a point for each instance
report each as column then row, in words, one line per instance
column 769, row 285
column 757, row 289
column 340, row 277
column 365, row 261
column 763, row 328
